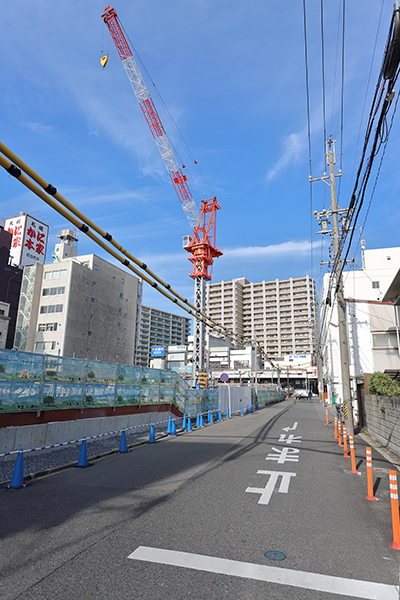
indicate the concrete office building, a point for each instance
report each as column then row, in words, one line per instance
column 160, row 328
column 280, row 313
column 78, row 306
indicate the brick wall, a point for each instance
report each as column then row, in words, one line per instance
column 382, row 420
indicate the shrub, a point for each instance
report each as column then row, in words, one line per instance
column 381, row 384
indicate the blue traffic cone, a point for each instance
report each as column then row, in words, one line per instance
column 228, row 414
column 197, row 420
column 211, row 418
column 219, row 417
column 169, row 425
column 251, row 408
column 184, row 421
column 152, row 437
column 257, row 405
column 189, row 425
column 241, row 411
column 173, row 427
column 247, row 410
column 122, row 445
column 17, row 479
column 82, row 460
column 201, row 424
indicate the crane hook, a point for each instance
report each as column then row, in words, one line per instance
column 104, row 60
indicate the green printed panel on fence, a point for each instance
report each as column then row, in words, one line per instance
column 166, row 394
column 20, row 366
column 62, row 395
column 129, row 375
column 19, row 396
column 61, row 368
column 101, row 372
column 150, row 377
column 99, row 395
column 168, row 378
column 149, row 394
column 127, row 395
column 180, row 400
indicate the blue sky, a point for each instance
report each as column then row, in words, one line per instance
column 233, row 76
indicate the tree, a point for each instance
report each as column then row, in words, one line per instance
column 120, row 399
column 2, row 368
column 89, row 399
column 91, row 375
column 48, row 400
column 380, row 384
column 121, row 377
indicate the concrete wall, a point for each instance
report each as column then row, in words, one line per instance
column 45, row 434
column 384, row 427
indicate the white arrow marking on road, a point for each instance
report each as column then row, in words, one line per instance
column 290, row 428
column 354, row 588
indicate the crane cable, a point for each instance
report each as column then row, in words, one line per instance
column 84, row 224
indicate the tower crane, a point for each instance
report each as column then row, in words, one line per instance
column 201, row 246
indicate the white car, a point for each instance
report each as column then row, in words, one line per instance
column 300, row 393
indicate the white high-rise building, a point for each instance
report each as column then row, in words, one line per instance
column 78, row 306
column 280, row 314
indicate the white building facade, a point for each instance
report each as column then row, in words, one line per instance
column 81, row 307
column 279, row 314
column 371, row 326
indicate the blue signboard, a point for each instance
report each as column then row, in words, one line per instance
column 157, row 351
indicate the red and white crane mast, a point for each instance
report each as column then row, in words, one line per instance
column 202, row 245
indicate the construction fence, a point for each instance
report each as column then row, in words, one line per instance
column 38, row 382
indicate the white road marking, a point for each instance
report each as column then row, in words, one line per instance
column 266, row 492
column 290, row 428
column 283, row 455
column 354, row 588
column 290, row 438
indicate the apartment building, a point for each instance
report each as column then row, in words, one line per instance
column 160, row 328
column 280, row 314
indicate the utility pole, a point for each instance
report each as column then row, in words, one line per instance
column 323, row 217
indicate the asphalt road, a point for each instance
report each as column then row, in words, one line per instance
column 195, row 516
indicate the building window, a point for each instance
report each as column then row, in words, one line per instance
column 51, row 308
column 375, row 284
column 384, row 340
column 93, row 300
column 56, row 274
column 48, row 327
column 121, row 295
column 91, row 316
column 96, row 267
column 42, row 346
column 122, row 280
column 94, row 284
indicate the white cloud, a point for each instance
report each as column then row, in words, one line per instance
column 38, row 127
column 292, row 147
column 284, row 250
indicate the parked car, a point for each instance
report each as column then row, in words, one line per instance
column 300, row 393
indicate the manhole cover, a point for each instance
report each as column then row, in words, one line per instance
column 275, row 555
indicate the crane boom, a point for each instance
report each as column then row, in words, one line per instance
column 178, row 179
column 202, row 245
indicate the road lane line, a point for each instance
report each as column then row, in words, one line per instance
column 354, row 588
